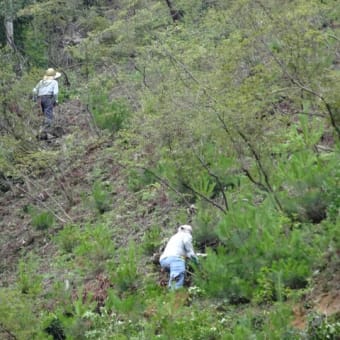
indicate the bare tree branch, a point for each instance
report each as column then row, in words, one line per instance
column 205, row 198
column 10, row 335
column 220, row 184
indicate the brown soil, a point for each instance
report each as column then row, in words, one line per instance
column 60, row 190
column 324, row 297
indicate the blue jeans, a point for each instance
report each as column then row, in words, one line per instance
column 47, row 103
column 176, row 265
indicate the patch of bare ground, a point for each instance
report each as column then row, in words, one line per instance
column 50, row 191
column 61, row 190
column 324, row 298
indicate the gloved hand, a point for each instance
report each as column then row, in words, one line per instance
column 194, row 259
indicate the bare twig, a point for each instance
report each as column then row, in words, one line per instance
column 307, row 89
column 205, row 198
column 206, row 167
column 251, row 178
column 10, row 335
column 161, row 180
column 51, row 197
column 261, row 168
column 43, row 204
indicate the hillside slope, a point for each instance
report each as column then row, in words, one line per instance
column 221, row 114
column 65, row 187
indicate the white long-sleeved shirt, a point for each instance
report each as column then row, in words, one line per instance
column 179, row 245
column 47, row 87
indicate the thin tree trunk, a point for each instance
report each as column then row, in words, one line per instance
column 9, row 31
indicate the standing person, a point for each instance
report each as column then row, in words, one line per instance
column 178, row 249
column 47, row 93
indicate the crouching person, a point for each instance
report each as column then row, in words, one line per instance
column 178, row 249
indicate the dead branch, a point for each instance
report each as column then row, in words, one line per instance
column 217, row 179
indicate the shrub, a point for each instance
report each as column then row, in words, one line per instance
column 108, row 114
column 151, row 240
column 322, row 327
column 55, row 329
column 29, row 282
column 310, row 205
column 101, row 196
column 43, row 220
column 333, row 209
column 205, row 222
column 257, row 252
column 69, row 238
column 16, row 317
column 125, row 275
column 95, row 248
column 294, row 272
column 219, row 277
column 138, row 179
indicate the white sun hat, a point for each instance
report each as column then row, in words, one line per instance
column 185, row 227
column 51, row 73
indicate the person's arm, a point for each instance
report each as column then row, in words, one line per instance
column 56, row 92
column 189, row 249
column 35, row 92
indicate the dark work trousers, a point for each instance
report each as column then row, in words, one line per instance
column 47, row 103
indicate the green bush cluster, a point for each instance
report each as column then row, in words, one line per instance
column 69, row 238
column 151, row 240
column 109, row 114
column 322, row 327
column 125, row 276
column 29, row 280
column 102, row 197
column 42, row 220
column 95, row 245
column 258, row 256
column 16, row 317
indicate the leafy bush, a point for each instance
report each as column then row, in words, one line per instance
column 125, row 275
column 258, row 257
column 322, row 327
column 69, row 238
column 309, row 206
column 69, row 321
column 95, row 247
column 220, row 277
column 101, row 197
column 34, row 46
column 151, row 240
column 43, row 220
column 16, row 317
column 333, row 209
column 309, row 181
column 138, row 179
column 55, row 329
column 205, row 221
column 111, row 115
column 128, row 305
column 29, row 281
column 293, row 272
column 265, row 290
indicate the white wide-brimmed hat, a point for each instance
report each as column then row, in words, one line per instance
column 51, row 73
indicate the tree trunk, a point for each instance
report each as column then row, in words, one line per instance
column 9, row 31
column 175, row 14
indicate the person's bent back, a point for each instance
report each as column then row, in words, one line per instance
column 178, row 249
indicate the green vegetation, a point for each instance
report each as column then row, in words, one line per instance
column 222, row 114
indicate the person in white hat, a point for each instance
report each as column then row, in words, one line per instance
column 47, row 93
column 178, row 249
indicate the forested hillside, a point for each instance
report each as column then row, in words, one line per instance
column 221, row 114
